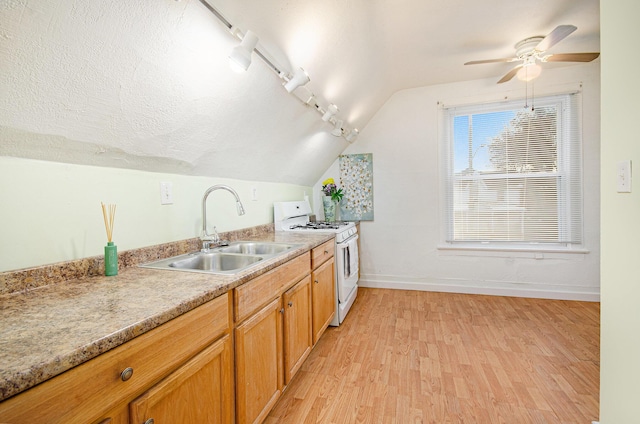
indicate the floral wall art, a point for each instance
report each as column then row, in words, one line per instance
column 356, row 179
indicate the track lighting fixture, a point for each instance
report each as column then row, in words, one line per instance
column 337, row 130
column 352, row 135
column 240, row 56
column 331, row 110
column 240, row 59
column 300, row 78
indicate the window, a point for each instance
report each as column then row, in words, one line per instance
column 513, row 175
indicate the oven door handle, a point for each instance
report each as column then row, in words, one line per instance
column 344, row 243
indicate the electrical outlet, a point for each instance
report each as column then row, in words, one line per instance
column 254, row 193
column 624, row 176
column 166, row 193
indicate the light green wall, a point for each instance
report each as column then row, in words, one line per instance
column 620, row 228
column 50, row 212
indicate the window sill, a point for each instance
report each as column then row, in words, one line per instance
column 541, row 252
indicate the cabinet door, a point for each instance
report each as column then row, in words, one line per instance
column 323, row 297
column 297, row 327
column 119, row 415
column 200, row 391
column 259, row 374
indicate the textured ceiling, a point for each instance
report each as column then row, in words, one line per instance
column 146, row 84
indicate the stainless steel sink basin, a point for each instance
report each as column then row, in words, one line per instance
column 215, row 262
column 256, row 248
column 230, row 259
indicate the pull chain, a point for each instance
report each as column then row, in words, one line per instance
column 526, row 94
column 532, row 96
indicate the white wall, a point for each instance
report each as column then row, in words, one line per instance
column 400, row 247
column 620, row 313
column 50, row 212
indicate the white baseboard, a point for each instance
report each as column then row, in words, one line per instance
column 494, row 288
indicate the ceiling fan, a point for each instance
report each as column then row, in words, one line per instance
column 532, row 50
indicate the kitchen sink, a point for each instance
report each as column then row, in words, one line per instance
column 256, row 248
column 215, row 262
column 231, row 259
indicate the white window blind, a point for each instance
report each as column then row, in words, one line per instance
column 513, row 175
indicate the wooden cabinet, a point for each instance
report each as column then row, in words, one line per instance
column 100, row 389
column 259, row 353
column 297, row 327
column 323, row 291
column 200, row 391
column 322, row 253
column 183, row 370
column 272, row 340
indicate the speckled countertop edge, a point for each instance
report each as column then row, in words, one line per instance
column 47, row 330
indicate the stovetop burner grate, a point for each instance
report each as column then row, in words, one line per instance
column 320, row 225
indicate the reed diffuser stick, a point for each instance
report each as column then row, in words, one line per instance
column 109, row 214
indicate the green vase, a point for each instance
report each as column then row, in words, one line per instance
column 329, row 207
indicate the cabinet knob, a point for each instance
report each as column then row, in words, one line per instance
column 282, row 311
column 126, row 374
column 149, row 421
column 326, row 252
column 290, row 304
column 315, row 281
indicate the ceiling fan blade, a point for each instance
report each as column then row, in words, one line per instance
column 477, row 62
column 571, row 57
column 510, row 74
column 555, row 36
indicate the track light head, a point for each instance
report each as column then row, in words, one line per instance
column 351, row 137
column 240, row 56
column 337, row 130
column 299, row 78
column 331, row 110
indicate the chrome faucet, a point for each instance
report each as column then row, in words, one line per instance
column 214, row 239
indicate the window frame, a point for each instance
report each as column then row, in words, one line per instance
column 569, row 175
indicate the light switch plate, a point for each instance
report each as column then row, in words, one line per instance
column 166, row 193
column 624, row 176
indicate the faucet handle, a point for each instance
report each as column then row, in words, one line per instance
column 215, row 235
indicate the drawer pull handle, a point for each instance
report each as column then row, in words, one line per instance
column 149, row 421
column 126, row 374
column 290, row 304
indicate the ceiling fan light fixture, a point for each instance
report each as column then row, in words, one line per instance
column 532, row 49
column 529, row 72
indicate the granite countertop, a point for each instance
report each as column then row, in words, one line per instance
column 48, row 330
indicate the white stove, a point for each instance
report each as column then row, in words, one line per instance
column 294, row 217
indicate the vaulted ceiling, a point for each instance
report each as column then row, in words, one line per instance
column 147, row 85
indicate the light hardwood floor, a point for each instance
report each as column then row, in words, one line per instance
column 421, row 357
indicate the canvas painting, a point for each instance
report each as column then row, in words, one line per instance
column 356, row 180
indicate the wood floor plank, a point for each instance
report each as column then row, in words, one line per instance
column 423, row 357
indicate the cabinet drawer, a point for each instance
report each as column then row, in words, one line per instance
column 251, row 296
column 87, row 391
column 322, row 253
